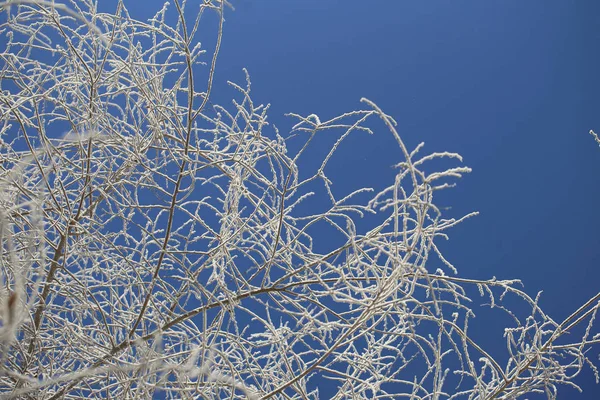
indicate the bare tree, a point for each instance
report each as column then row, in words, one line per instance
column 154, row 243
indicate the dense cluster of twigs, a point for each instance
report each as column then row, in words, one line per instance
column 156, row 244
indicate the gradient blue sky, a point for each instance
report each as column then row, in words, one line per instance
column 510, row 85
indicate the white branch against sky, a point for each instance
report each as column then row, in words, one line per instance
column 157, row 244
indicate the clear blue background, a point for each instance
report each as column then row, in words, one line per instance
column 510, row 85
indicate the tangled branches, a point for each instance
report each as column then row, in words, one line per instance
column 159, row 246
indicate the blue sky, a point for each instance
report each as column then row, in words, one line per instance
column 510, row 85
